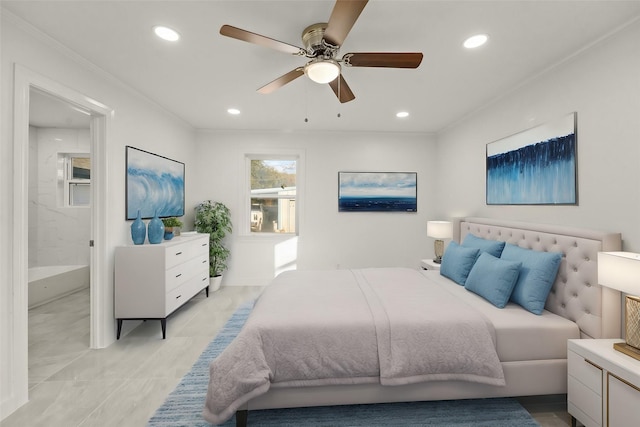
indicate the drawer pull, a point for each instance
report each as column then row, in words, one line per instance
column 593, row 364
column 204, row 261
column 178, row 253
column 179, row 296
column 204, row 278
column 178, row 275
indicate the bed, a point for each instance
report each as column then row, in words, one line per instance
column 369, row 362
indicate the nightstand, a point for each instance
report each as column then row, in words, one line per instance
column 429, row 264
column 603, row 384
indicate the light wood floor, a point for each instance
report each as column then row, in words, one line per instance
column 122, row 385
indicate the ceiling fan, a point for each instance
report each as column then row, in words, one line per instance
column 321, row 44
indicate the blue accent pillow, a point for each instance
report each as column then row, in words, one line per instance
column 493, row 279
column 492, row 247
column 457, row 262
column 537, row 275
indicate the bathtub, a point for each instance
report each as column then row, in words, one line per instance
column 55, row 281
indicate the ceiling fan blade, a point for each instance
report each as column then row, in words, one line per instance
column 344, row 15
column 247, row 36
column 383, row 59
column 281, row 81
column 342, row 89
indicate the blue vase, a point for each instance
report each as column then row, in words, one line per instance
column 138, row 230
column 168, row 235
column 156, row 230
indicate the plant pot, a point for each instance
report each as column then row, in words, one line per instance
column 214, row 283
column 168, row 233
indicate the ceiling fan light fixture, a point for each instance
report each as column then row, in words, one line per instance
column 323, row 70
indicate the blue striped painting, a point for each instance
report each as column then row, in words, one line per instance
column 155, row 185
column 533, row 168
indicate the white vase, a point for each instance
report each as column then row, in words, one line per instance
column 214, row 283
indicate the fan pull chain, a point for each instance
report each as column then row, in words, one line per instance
column 339, row 99
column 306, row 102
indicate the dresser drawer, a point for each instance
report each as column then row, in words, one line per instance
column 186, row 270
column 582, row 401
column 184, row 292
column 202, row 247
column 623, row 402
column 177, row 254
column 587, row 373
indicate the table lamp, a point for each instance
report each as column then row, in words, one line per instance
column 621, row 271
column 439, row 230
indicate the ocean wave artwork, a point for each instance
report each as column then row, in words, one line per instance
column 521, row 172
column 155, row 185
column 377, row 191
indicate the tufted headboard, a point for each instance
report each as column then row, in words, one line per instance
column 576, row 294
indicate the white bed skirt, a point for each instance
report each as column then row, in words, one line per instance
column 523, row 379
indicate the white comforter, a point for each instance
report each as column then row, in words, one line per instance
column 347, row 327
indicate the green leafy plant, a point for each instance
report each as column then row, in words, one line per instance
column 214, row 218
column 171, row 221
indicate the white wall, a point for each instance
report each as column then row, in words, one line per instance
column 602, row 84
column 136, row 122
column 327, row 238
column 58, row 234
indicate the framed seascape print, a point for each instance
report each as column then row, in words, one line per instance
column 154, row 185
column 377, row 191
column 535, row 167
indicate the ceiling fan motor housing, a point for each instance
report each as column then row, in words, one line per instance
column 314, row 43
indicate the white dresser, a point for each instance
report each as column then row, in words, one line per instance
column 604, row 384
column 152, row 281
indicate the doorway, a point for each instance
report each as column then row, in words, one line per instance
column 59, row 231
column 101, row 315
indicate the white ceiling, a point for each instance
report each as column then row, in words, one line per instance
column 204, row 73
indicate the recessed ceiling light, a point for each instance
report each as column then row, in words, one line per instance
column 402, row 114
column 475, row 41
column 166, row 33
column 233, row 111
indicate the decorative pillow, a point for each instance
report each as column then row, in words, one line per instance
column 537, row 274
column 457, row 262
column 492, row 247
column 493, row 278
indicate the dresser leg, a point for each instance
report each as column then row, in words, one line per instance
column 206, row 290
column 573, row 421
column 119, row 329
column 163, row 325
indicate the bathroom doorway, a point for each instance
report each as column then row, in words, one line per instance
column 101, row 314
column 59, row 223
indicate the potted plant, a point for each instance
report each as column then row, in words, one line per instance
column 171, row 227
column 214, row 218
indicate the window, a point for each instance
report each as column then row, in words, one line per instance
column 273, row 194
column 76, row 171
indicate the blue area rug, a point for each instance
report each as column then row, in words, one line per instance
column 183, row 406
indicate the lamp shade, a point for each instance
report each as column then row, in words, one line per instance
column 620, row 271
column 322, row 71
column 440, row 229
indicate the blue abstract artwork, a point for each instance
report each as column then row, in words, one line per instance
column 534, row 167
column 155, row 185
column 377, row 191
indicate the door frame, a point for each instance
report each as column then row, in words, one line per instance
column 101, row 317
